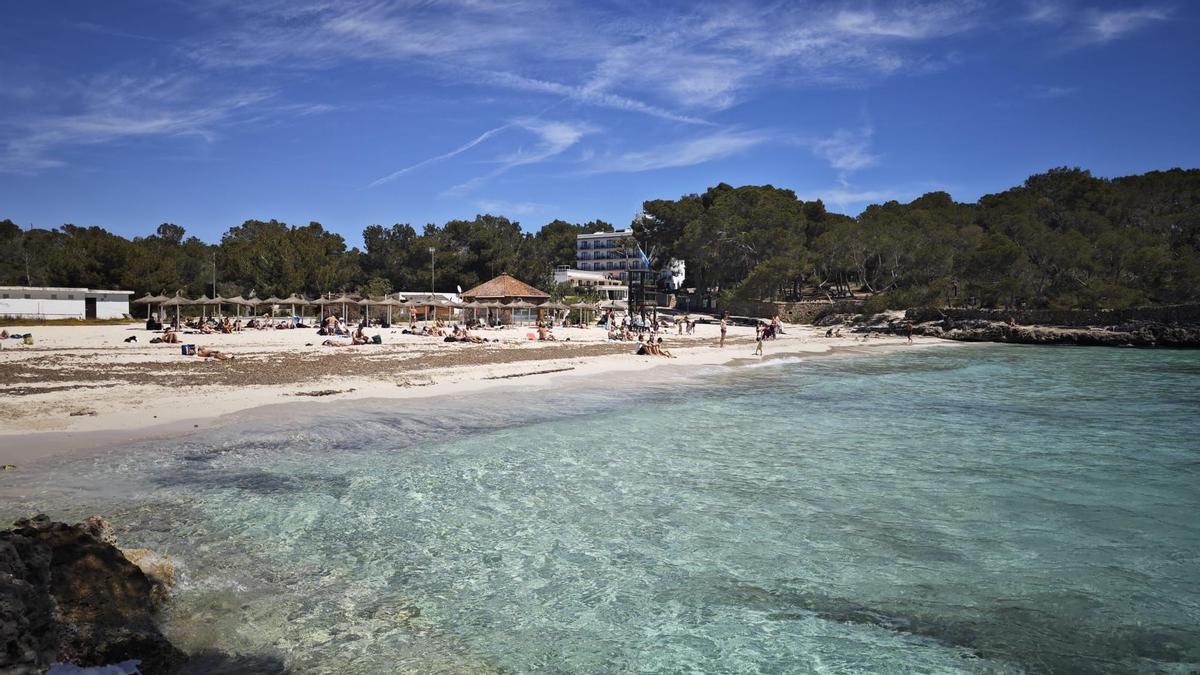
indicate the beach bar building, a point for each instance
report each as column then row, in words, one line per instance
column 507, row 294
column 49, row 302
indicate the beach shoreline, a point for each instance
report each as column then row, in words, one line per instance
column 74, row 393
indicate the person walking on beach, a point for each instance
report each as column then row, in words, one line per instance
column 908, row 331
column 724, row 327
column 759, row 332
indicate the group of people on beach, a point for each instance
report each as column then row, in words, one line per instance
column 171, row 336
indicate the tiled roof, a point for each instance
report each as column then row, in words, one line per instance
column 504, row 286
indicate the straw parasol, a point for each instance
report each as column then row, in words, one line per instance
column 366, row 303
column 237, row 300
column 343, row 300
column 390, row 302
column 203, row 301
column 295, row 300
column 178, row 301
column 583, row 307
column 149, row 300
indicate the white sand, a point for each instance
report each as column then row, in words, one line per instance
column 125, row 396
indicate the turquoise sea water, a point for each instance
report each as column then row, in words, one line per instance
column 958, row 509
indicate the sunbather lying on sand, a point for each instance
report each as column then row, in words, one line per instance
column 335, row 343
column 210, row 353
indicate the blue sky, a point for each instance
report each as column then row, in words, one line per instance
column 206, row 113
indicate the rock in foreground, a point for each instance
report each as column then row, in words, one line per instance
column 67, row 594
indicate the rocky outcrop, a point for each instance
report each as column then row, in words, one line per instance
column 1132, row 333
column 1135, row 334
column 67, row 594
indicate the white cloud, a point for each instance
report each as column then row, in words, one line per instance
column 1050, row 91
column 112, row 109
column 842, row 197
column 674, row 63
column 553, row 139
column 433, row 160
column 1045, row 11
column 1106, row 26
column 504, row 207
column 688, row 152
column 846, row 150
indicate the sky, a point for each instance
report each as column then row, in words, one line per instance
column 207, row 113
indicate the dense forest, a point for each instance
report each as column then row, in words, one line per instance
column 267, row 258
column 1063, row 239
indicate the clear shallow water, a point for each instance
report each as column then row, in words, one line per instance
column 973, row 509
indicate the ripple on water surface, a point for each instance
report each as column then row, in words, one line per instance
column 980, row 509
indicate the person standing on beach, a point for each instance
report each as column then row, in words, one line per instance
column 724, row 327
column 759, row 332
column 908, row 331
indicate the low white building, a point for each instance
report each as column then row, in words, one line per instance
column 595, row 282
column 47, row 302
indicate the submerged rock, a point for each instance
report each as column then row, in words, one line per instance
column 67, row 594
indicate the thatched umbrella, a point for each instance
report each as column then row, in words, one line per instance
column 237, row 301
column 343, row 300
column 295, row 300
column 203, row 301
column 520, row 304
column 366, row 303
column 583, row 307
column 272, row 302
column 389, row 302
column 150, row 300
column 177, row 302
column 473, row 305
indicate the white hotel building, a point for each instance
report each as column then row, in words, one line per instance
column 47, row 302
column 603, row 261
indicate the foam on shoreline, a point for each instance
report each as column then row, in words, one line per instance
column 128, row 413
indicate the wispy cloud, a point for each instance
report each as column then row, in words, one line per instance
column 1051, row 91
column 440, row 158
column 687, row 152
column 553, row 139
column 846, row 150
column 673, row 63
column 113, row 109
column 509, row 208
column 581, row 94
column 1083, row 27
column 1106, row 26
column 1045, row 11
column 842, row 197
column 106, row 30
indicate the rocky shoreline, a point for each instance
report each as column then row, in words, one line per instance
column 69, row 595
column 1132, row 333
column 1136, row 334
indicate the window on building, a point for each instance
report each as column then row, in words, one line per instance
column 27, row 296
column 54, row 296
column 70, row 296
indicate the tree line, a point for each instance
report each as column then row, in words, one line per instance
column 266, row 258
column 1063, row 239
